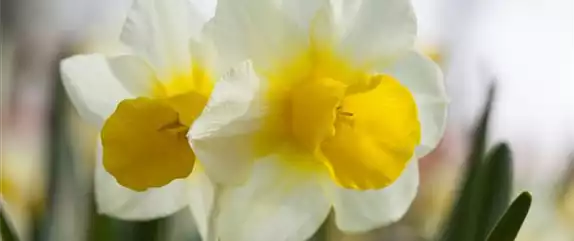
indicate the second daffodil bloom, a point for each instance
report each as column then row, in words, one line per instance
column 335, row 113
column 145, row 102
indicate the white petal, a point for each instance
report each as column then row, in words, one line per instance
column 134, row 73
column 161, row 31
column 361, row 211
column 220, row 136
column 255, row 29
column 374, row 29
column 278, row 203
column 302, row 12
column 117, row 201
column 200, row 199
column 424, row 79
column 333, row 19
column 92, row 87
column 203, row 11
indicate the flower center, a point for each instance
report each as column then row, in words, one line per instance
column 365, row 133
column 363, row 127
column 314, row 107
column 144, row 140
column 317, row 105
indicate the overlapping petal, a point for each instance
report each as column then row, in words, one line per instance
column 134, row 73
column 301, row 12
column 268, row 31
column 278, row 203
column 160, row 31
column 363, row 31
column 424, row 79
column 254, row 29
column 92, row 86
column 375, row 30
column 221, row 135
column 117, row 201
column 360, row 211
column 201, row 198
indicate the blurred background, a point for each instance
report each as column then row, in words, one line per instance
column 526, row 47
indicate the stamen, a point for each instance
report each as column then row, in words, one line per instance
column 174, row 127
column 343, row 113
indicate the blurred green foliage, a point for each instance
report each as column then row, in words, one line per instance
column 485, row 192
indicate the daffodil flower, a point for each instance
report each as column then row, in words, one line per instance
column 335, row 114
column 145, row 101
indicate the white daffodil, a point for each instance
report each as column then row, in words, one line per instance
column 335, row 114
column 145, row 101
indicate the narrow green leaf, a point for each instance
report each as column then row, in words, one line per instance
column 508, row 226
column 6, row 229
column 496, row 185
column 480, row 134
column 461, row 224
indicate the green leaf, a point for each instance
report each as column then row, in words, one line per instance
column 508, row 226
column 480, row 135
column 496, row 186
column 6, row 229
column 461, row 224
